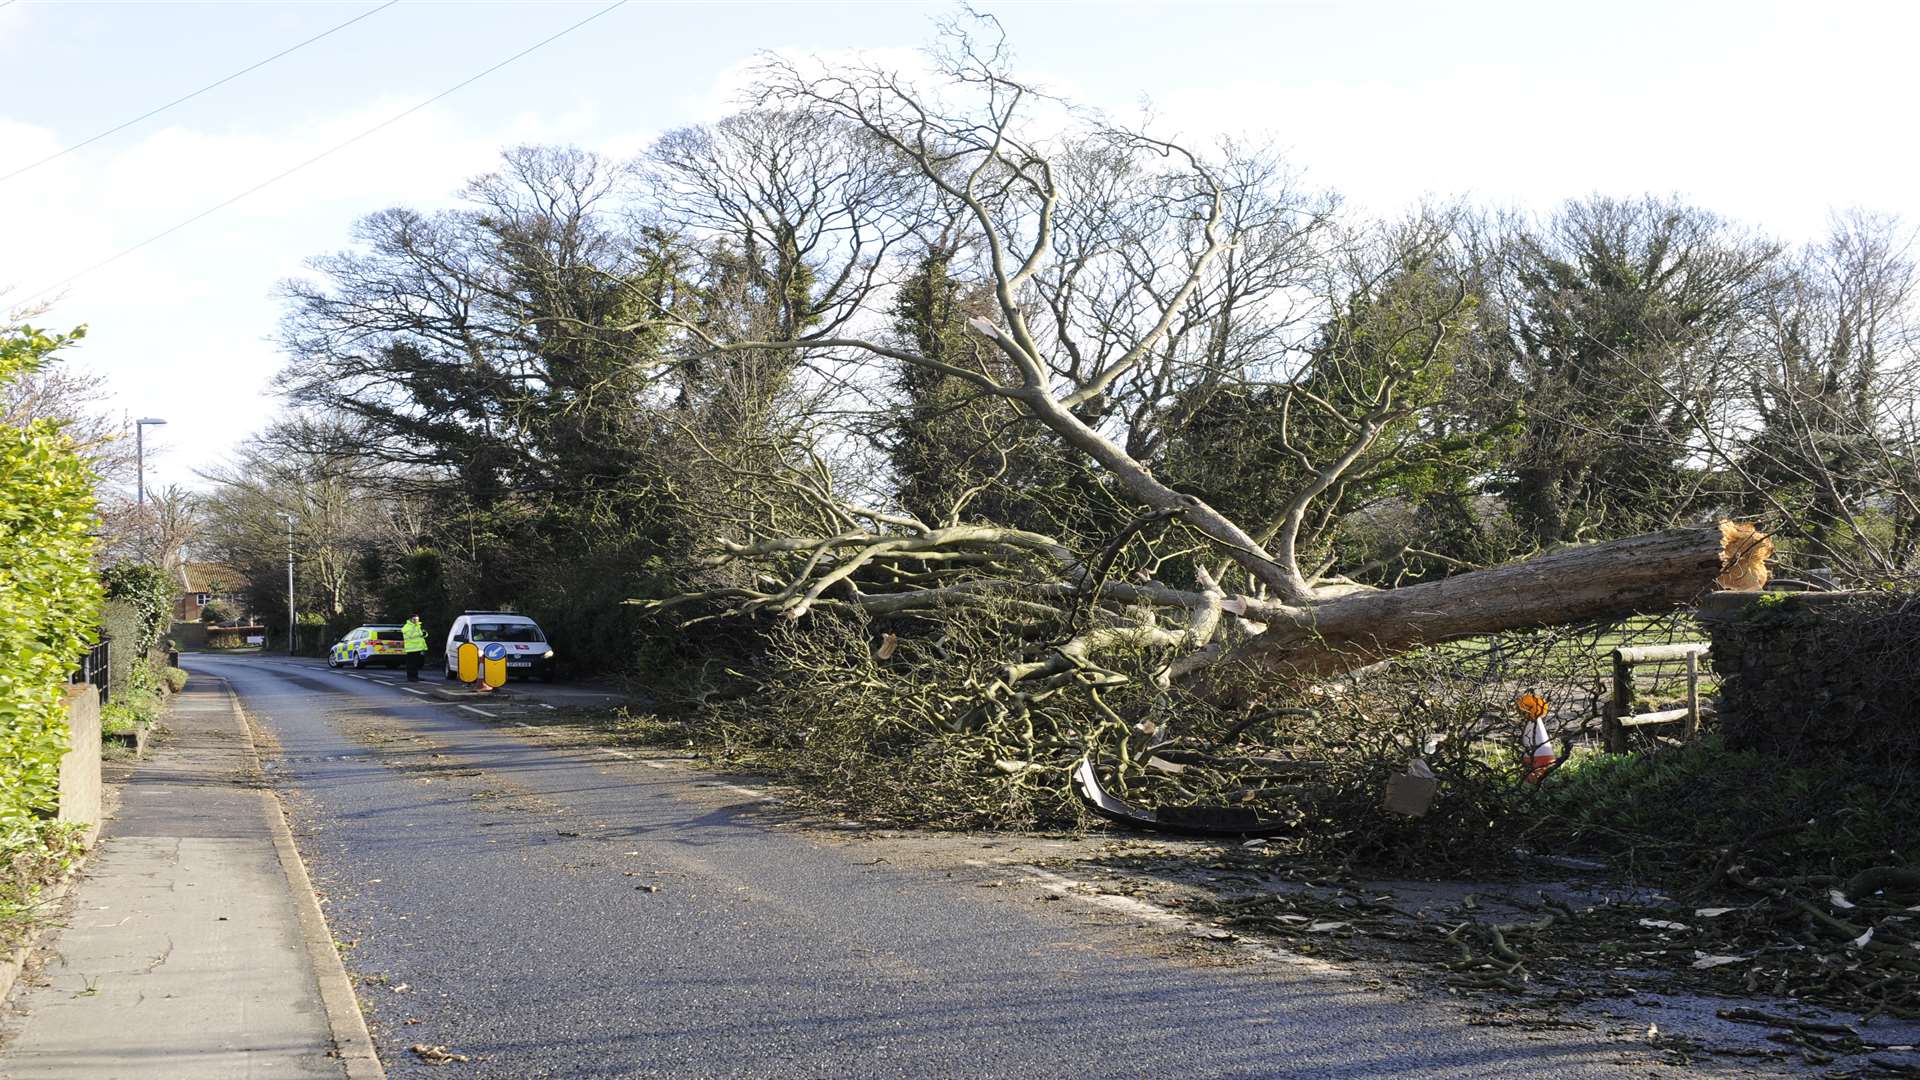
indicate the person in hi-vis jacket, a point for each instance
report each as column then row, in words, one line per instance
column 416, row 636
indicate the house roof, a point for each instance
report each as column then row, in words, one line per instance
column 211, row 578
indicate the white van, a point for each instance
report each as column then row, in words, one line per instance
column 526, row 644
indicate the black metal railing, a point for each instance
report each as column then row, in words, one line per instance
column 96, row 669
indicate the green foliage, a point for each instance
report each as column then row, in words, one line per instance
column 948, row 436
column 554, row 458
column 176, row 680
column 1667, row 815
column 128, row 668
column 218, row 611
column 1249, row 450
column 1621, row 307
column 49, row 598
column 138, row 686
column 26, row 869
column 960, row 453
column 124, row 717
column 25, row 350
column 879, row 739
column 150, row 591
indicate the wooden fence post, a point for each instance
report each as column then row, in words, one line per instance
column 1620, row 706
column 1693, row 696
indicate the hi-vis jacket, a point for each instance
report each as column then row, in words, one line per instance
column 416, row 636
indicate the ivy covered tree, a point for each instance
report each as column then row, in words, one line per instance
column 1620, row 322
column 958, row 454
column 1829, row 395
column 1391, row 387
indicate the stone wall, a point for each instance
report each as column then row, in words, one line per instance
column 80, row 768
column 1819, row 676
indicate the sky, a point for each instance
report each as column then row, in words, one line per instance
column 1774, row 114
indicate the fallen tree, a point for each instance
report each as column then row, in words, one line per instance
column 885, row 564
column 1636, row 575
column 1106, row 286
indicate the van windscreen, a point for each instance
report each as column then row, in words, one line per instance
column 493, row 631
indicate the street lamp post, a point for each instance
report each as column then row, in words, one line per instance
column 140, row 427
column 292, row 626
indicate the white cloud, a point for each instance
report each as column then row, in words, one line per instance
column 182, row 327
column 13, row 20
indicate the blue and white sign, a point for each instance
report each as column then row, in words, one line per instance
column 494, row 651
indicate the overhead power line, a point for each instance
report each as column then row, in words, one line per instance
column 322, row 155
column 90, row 140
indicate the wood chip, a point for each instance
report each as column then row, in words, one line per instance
column 437, row 1055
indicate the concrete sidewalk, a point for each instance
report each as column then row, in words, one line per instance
column 193, row 948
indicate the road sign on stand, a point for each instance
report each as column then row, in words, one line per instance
column 468, row 655
column 493, row 671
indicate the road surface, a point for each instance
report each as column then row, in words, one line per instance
column 571, row 913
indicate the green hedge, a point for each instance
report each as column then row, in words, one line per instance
column 49, row 596
column 120, row 623
column 150, row 591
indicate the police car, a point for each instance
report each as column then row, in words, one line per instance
column 381, row 643
column 527, row 650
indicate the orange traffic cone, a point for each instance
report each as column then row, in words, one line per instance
column 1540, row 755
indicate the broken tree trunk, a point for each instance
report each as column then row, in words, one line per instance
column 1637, row 575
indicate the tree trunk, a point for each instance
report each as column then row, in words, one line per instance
column 1638, row 575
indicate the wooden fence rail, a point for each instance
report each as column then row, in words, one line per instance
column 1619, row 713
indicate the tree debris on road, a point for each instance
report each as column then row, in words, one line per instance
column 436, row 1055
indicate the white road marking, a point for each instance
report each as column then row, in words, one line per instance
column 1136, row 908
column 518, row 723
column 544, row 705
column 747, row 791
column 482, row 712
column 351, row 675
column 411, row 690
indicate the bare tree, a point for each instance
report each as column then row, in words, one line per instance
column 337, row 511
column 170, row 527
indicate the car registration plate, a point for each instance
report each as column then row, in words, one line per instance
column 519, row 663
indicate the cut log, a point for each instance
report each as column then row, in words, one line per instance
column 1638, row 575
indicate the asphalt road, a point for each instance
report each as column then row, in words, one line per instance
column 568, row 913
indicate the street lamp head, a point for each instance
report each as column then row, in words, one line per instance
column 149, row 421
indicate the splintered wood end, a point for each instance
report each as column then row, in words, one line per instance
column 1744, row 551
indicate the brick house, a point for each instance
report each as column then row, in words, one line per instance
column 202, row 584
